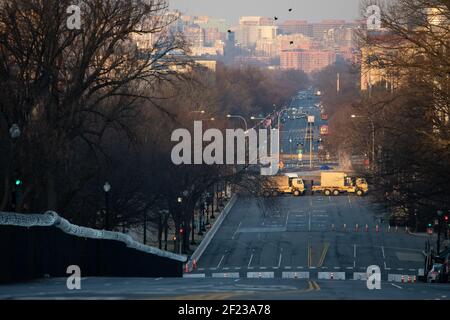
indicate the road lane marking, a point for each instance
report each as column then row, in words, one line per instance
column 382, row 250
column 309, row 221
column 350, row 268
column 234, row 234
column 385, row 267
column 354, row 251
column 250, row 262
column 279, row 260
column 309, row 255
column 324, row 254
column 220, row 262
column 287, row 218
column 397, row 286
column 349, row 201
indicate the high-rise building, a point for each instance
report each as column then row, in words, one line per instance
column 248, row 32
column 308, row 61
column 296, row 27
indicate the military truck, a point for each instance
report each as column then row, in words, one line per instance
column 335, row 183
column 278, row 185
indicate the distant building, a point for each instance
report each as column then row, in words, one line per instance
column 296, row 27
column 248, row 32
column 308, row 61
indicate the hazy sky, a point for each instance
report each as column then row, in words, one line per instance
column 311, row 10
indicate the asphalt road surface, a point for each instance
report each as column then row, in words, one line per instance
column 221, row 289
column 315, row 234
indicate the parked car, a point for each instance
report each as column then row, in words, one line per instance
column 434, row 275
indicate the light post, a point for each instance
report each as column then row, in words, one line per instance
column 239, row 117
column 373, row 137
column 106, row 189
column 198, row 111
column 14, row 133
column 438, row 246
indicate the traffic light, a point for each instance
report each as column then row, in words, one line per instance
column 181, row 230
column 446, row 218
column 429, row 225
column 18, row 182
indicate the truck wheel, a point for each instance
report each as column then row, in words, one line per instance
column 336, row 193
column 359, row 192
column 297, row 193
column 327, row 192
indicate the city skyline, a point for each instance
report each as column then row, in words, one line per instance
column 301, row 9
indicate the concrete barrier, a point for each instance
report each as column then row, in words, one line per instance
column 328, row 275
column 226, row 275
column 360, row 276
column 262, row 275
column 295, row 275
column 194, row 275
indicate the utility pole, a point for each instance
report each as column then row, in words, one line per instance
column 438, row 245
column 338, row 84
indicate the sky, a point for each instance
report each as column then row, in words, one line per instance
column 311, row 10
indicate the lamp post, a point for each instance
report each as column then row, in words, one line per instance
column 14, row 133
column 373, row 137
column 106, row 189
column 438, row 246
column 239, row 117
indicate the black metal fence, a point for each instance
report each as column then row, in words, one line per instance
column 37, row 252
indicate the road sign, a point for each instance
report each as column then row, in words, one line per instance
column 311, row 119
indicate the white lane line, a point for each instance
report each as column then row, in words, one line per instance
column 349, row 201
column 234, row 234
column 157, row 279
column 350, row 268
column 382, row 250
column 385, row 267
column 309, row 221
column 237, row 268
column 397, row 286
column 354, row 251
column 226, row 268
column 263, row 268
column 287, row 218
column 336, row 268
column 299, row 267
column 220, row 262
column 279, row 260
column 400, row 269
column 250, row 262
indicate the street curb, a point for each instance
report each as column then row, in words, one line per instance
column 210, row 235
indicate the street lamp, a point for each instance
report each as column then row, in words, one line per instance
column 106, row 189
column 239, row 117
column 14, row 133
column 373, row 136
column 198, row 111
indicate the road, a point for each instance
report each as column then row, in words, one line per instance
column 221, row 289
column 311, row 234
